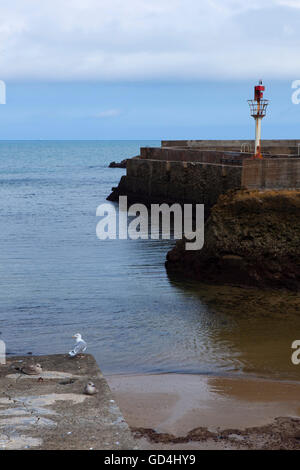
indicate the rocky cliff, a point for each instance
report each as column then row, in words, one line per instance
column 251, row 238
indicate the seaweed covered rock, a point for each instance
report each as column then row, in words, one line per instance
column 251, row 238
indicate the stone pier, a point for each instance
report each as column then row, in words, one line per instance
column 50, row 411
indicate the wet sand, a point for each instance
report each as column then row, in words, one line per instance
column 185, row 411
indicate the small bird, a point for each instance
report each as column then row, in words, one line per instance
column 90, row 389
column 32, row 369
column 79, row 347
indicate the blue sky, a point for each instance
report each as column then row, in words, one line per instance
column 92, row 110
column 147, row 69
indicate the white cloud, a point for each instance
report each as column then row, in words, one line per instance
column 108, row 113
column 148, row 39
column 290, row 3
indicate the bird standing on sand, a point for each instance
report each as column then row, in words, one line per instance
column 79, row 347
column 32, row 369
column 90, row 389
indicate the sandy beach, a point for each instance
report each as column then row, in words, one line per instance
column 185, row 411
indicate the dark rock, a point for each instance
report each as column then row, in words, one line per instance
column 251, row 238
column 121, row 164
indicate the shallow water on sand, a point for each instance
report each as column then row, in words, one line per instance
column 57, row 278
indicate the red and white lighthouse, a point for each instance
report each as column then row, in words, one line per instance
column 258, row 108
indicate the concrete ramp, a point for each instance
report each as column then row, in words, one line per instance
column 50, row 410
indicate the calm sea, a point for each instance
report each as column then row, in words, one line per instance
column 57, row 278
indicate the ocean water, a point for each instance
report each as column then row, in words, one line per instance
column 57, row 278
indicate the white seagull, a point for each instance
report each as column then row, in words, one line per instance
column 90, row 389
column 79, row 347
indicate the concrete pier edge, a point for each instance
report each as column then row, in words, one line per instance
column 49, row 411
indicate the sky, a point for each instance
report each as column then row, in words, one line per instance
column 147, row 69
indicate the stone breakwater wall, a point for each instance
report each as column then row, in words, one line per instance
column 176, row 181
column 281, row 173
column 197, row 175
column 271, row 146
column 193, row 155
column 223, row 156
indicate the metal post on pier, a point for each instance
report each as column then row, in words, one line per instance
column 258, row 108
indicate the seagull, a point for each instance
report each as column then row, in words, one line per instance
column 90, row 389
column 80, row 346
column 32, row 369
